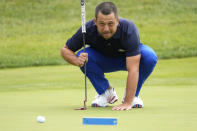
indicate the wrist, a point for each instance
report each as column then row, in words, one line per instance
column 127, row 102
column 76, row 63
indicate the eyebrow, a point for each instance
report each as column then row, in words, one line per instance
column 106, row 22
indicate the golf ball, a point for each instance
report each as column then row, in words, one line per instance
column 41, row 119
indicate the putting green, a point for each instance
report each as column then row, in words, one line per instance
column 169, row 97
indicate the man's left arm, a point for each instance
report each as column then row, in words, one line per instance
column 132, row 64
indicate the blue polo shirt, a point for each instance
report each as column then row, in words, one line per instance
column 125, row 42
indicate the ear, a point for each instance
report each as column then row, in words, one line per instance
column 95, row 20
column 117, row 20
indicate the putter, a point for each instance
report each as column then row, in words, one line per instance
column 84, row 46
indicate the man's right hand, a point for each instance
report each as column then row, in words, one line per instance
column 82, row 58
column 71, row 57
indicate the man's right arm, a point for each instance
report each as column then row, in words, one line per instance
column 71, row 58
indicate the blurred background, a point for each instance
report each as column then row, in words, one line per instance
column 32, row 32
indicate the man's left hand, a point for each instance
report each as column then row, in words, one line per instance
column 122, row 107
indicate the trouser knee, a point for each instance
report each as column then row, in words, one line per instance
column 148, row 57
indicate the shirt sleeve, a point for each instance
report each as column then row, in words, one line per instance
column 76, row 41
column 132, row 40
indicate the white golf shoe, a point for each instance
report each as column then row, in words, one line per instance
column 103, row 100
column 137, row 102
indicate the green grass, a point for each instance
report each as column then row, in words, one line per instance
column 169, row 97
column 33, row 31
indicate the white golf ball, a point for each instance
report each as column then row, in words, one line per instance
column 41, row 119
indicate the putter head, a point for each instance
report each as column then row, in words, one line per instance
column 84, row 107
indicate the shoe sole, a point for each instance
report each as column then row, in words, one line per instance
column 137, row 106
column 113, row 100
column 96, row 105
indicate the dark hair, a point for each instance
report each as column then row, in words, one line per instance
column 106, row 8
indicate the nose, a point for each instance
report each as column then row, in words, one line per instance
column 106, row 28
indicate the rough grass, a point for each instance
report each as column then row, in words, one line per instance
column 169, row 97
column 33, row 31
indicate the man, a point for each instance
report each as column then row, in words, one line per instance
column 114, row 45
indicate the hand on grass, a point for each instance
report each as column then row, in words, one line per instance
column 122, row 107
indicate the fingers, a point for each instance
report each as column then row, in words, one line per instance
column 83, row 57
column 122, row 107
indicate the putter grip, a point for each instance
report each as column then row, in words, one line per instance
column 83, row 16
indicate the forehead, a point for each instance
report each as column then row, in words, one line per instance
column 106, row 18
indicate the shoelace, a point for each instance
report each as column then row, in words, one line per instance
column 107, row 92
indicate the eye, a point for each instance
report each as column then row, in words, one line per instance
column 111, row 24
column 101, row 24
